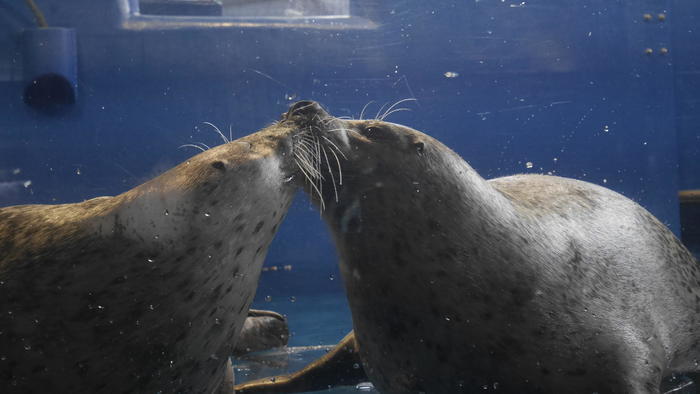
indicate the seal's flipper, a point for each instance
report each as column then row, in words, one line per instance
column 262, row 330
column 341, row 365
column 229, row 379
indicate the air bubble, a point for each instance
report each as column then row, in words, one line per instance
column 268, row 298
column 529, row 164
column 331, row 277
column 292, row 299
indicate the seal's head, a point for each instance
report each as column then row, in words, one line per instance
column 342, row 157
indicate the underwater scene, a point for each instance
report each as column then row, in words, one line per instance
column 296, row 196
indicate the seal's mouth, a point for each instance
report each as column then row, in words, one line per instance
column 318, row 149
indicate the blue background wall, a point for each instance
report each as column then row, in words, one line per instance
column 564, row 85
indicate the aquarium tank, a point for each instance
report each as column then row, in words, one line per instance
column 99, row 98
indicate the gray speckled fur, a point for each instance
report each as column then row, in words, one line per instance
column 145, row 291
column 527, row 284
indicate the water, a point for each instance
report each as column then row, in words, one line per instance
column 605, row 92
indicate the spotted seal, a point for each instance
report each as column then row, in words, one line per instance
column 524, row 284
column 144, row 291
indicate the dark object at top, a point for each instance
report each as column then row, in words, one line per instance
column 180, row 7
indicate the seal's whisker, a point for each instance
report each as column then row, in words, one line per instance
column 309, row 158
column 307, row 148
column 335, row 189
column 315, row 189
column 380, row 111
column 230, row 132
column 191, row 146
column 311, row 168
column 204, row 145
column 335, row 146
column 340, row 171
column 393, row 111
column 362, row 113
column 226, row 140
column 305, row 166
column 394, row 106
column 317, row 156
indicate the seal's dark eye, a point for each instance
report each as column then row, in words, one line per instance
column 420, row 147
column 219, row 165
column 378, row 133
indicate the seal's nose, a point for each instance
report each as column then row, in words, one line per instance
column 306, row 109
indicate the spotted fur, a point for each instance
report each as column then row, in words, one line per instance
column 524, row 284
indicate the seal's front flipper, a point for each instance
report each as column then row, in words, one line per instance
column 262, row 330
column 340, row 366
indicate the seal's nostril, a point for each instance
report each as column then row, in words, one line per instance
column 300, row 106
column 306, row 109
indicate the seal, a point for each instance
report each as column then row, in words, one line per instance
column 524, row 284
column 262, row 330
column 145, row 291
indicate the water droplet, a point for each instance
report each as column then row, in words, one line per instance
column 151, row 307
column 268, row 298
column 166, row 213
column 529, row 164
column 447, row 318
column 27, row 347
column 451, row 74
column 209, row 256
column 207, row 214
column 356, row 366
column 331, row 277
column 150, row 260
column 217, row 321
column 605, row 180
column 156, row 236
column 3, row 358
column 485, row 387
column 495, row 385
